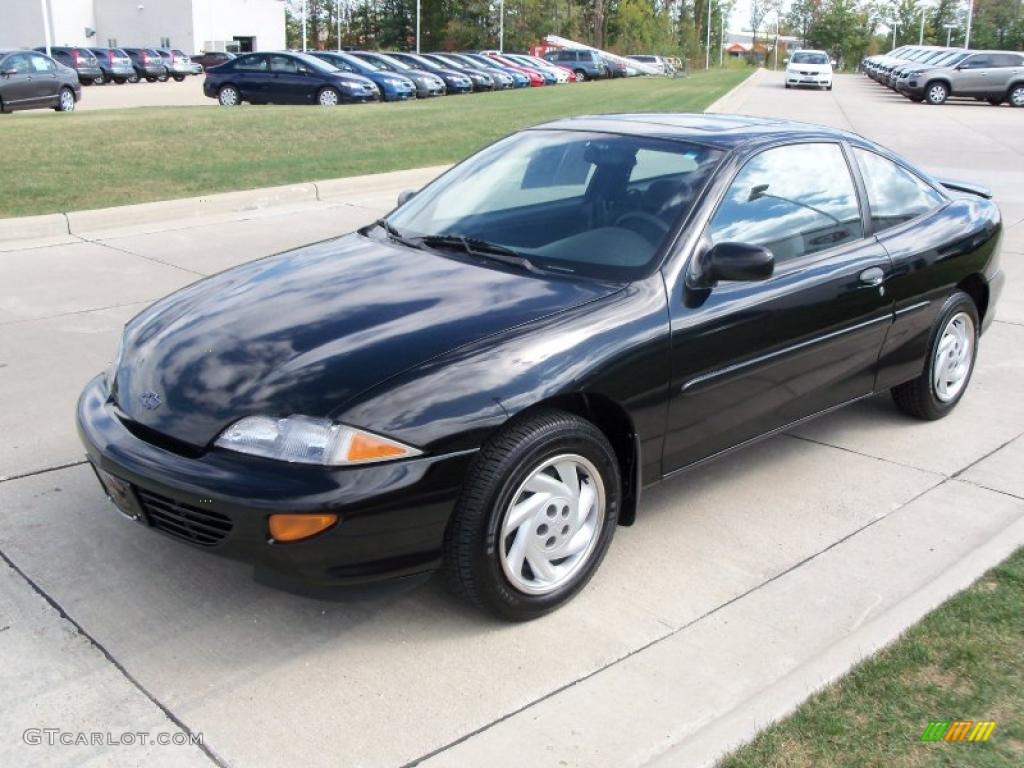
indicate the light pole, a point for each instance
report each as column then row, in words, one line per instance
column 337, row 9
column 721, row 39
column 304, row 13
column 949, row 32
column 501, row 27
column 894, row 26
column 970, row 17
column 46, row 25
column 920, row 39
column 417, row 26
column 707, row 53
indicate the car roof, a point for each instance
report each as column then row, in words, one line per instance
column 722, row 131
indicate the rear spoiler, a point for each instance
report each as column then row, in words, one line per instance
column 964, row 186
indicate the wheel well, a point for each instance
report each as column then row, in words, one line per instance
column 613, row 420
column 935, row 80
column 976, row 287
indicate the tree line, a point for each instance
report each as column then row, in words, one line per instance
column 848, row 29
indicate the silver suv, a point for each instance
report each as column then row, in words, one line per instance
column 995, row 76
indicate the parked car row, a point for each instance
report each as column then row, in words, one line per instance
column 335, row 77
column 932, row 74
column 96, row 66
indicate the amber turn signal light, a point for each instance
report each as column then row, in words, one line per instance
column 292, row 527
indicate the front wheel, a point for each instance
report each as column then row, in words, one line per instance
column 1016, row 96
column 581, row 75
column 537, row 512
column 937, row 93
column 179, row 78
column 228, row 96
column 951, row 355
column 328, row 97
column 65, row 101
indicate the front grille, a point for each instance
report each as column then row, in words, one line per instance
column 196, row 526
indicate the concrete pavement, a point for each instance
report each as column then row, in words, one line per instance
column 742, row 587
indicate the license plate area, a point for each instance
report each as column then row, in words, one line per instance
column 121, row 494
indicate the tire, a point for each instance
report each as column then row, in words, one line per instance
column 65, row 101
column 120, row 80
column 936, row 93
column 828, row 87
column 328, row 97
column 481, row 560
column 179, row 78
column 995, row 101
column 163, row 78
column 787, row 86
column 229, row 96
column 101, row 80
column 133, row 78
column 581, row 75
column 1016, row 95
column 916, row 99
column 150, row 79
column 952, row 352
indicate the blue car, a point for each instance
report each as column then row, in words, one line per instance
column 455, row 81
column 393, row 87
column 284, row 78
column 521, row 80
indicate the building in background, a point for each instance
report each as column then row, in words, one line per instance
column 191, row 25
column 739, row 44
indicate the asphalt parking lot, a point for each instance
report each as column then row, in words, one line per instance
column 743, row 586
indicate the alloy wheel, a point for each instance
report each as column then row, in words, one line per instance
column 1017, row 96
column 953, row 357
column 328, row 97
column 67, row 101
column 553, row 524
column 228, row 96
column 937, row 93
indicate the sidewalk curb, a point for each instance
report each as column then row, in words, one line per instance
column 199, row 210
column 728, row 103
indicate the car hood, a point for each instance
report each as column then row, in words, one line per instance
column 809, row 67
column 304, row 331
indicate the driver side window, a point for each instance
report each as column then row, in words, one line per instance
column 794, row 200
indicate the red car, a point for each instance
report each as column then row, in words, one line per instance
column 536, row 78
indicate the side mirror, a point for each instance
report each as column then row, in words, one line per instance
column 734, row 261
column 405, row 196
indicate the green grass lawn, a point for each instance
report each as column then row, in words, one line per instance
column 964, row 661
column 94, row 159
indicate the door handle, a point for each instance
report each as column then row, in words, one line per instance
column 872, row 276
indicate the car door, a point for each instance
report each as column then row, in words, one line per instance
column 289, row 81
column 973, row 76
column 752, row 357
column 45, row 83
column 252, row 76
column 16, row 88
column 1007, row 67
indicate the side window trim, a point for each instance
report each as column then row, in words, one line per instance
column 899, row 228
column 801, row 262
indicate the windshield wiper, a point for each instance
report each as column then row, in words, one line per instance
column 476, row 247
column 395, row 235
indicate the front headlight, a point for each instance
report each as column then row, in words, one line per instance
column 310, row 440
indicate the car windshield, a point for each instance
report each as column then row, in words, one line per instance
column 809, row 58
column 382, row 62
column 593, row 204
column 354, row 62
column 424, row 63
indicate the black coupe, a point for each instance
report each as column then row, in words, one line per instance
column 486, row 378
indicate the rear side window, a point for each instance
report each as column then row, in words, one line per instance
column 1006, row 60
column 794, row 200
column 895, row 195
column 251, row 64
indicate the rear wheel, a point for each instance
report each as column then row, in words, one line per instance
column 65, row 100
column 1016, row 96
column 581, row 75
column 951, row 355
column 120, row 80
column 101, row 80
column 937, row 93
column 328, row 97
column 179, row 78
column 162, row 78
column 228, row 96
column 537, row 512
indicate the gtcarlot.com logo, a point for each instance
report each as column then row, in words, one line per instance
column 58, row 737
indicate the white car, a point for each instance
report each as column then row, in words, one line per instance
column 809, row 68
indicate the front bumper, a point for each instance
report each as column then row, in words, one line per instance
column 392, row 516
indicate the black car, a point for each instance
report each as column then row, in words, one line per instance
column 455, row 81
column 481, row 80
column 115, row 64
column 427, row 84
column 211, row 59
column 32, row 80
column 588, row 65
column 485, row 379
column 285, row 78
column 82, row 60
column 147, row 63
